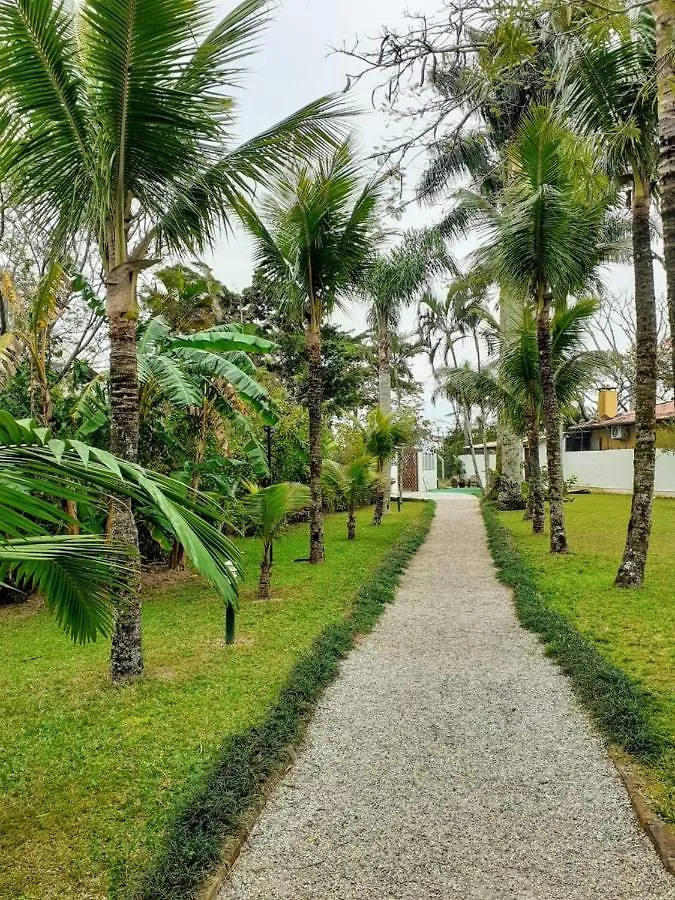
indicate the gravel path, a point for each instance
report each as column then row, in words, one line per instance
column 449, row 760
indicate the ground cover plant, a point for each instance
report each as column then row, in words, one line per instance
column 94, row 775
column 616, row 645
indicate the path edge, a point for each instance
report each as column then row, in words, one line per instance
column 556, row 631
column 254, row 762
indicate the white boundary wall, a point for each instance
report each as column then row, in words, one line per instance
column 612, row 470
column 609, row 470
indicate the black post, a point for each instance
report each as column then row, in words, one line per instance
column 229, row 624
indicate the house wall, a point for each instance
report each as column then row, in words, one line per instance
column 601, row 440
column 427, row 471
column 467, row 462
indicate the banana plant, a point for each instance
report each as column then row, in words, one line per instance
column 80, row 574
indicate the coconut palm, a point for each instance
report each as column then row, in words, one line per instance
column 395, row 281
column 384, row 436
column 550, row 237
column 117, row 125
column 513, row 388
column 439, row 335
column 351, row 483
column 268, row 509
column 468, row 299
column 609, row 90
column 315, row 242
column 82, row 575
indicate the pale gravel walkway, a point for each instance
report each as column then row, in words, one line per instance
column 450, row 760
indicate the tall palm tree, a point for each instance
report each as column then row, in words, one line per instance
column 550, row 238
column 116, row 124
column 468, row 298
column 268, row 508
column 395, row 281
column 315, row 242
column 384, row 436
column 351, row 483
column 82, row 575
column 439, row 334
column 664, row 17
column 514, row 387
column 609, row 91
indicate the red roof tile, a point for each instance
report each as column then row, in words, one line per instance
column 664, row 411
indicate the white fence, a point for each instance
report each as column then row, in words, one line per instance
column 609, row 470
column 612, row 470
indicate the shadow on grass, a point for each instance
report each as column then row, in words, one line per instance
column 249, row 760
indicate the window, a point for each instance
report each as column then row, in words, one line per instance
column 429, row 462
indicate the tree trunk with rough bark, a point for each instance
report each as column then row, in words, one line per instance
column 664, row 13
column 314, row 404
column 265, row 584
column 558, row 538
column 351, row 526
column 535, row 493
column 126, row 653
column 384, row 392
column 510, row 445
column 632, row 568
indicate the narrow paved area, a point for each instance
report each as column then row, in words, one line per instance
column 450, row 760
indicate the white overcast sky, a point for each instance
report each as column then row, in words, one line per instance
column 296, row 65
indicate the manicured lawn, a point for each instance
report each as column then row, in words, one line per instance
column 634, row 630
column 92, row 775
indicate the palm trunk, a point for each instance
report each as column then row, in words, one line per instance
column 265, row 585
column 552, row 421
column 509, row 444
column 664, row 13
column 314, row 403
column 466, row 415
column 632, row 568
column 379, row 498
column 351, row 526
column 535, row 493
column 486, row 455
column 126, row 653
column 384, row 391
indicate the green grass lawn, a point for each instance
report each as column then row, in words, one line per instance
column 93, row 775
column 634, row 630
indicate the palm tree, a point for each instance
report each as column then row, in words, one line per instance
column 384, row 436
column 82, row 575
column 439, row 334
column 268, row 508
column 468, row 298
column 514, row 388
column 610, row 93
column 493, row 100
column 116, row 125
column 395, row 280
column 314, row 242
column 352, row 483
column 550, row 237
